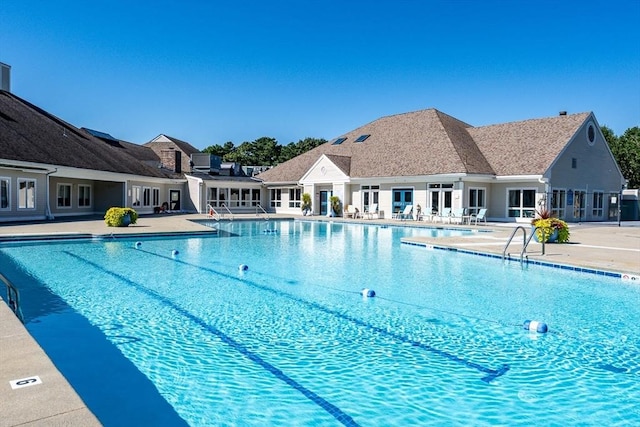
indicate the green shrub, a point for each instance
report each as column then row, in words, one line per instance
column 114, row 216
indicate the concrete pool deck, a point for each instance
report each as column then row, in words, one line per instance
column 53, row 402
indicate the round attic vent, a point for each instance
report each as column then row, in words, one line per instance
column 591, row 133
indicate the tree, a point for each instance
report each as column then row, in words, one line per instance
column 626, row 150
column 220, row 150
column 263, row 151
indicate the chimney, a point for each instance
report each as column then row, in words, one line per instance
column 563, row 113
column 5, row 77
column 178, row 162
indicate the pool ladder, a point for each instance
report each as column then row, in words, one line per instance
column 525, row 242
column 13, row 298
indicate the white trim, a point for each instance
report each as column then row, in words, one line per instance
column 58, row 186
column 8, row 179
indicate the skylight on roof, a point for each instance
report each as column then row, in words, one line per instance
column 361, row 138
column 101, row 135
column 339, row 141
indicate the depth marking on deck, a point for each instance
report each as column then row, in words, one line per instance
column 25, row 382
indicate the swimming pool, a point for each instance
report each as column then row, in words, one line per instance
column 148, row 336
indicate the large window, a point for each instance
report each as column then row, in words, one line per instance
column 64, row 195
column 558, row 203
column 295, row 197
column 522, row 203
column 579, row 199
column 440, row 196
column 476, row 200
column 155, row 197
column 136, row 195
column 370, row 195
column 26, row 193
column 5, row 193
column 146, row 196
column 276, row 197
column 233, row 197
column 598, row 204
column 84, row 196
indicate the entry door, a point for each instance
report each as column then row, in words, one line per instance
column 174, row 200
column 401, row 198
column 440, row 199
column 324, row 202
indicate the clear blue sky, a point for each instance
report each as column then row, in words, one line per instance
column 209, row 72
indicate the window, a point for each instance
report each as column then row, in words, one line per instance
column 84, row 196
column 235, row 197
column 362, row 138
column 146, row 196
column 522, row 203
column 598, row 203
column 245, row 197
column 295, row 197
column 558, row 203
column 155, row 197
column 64, row 195
column 338, row 141
column 135, row 195
column 276, row 197
column 255, row 197
column 5, row 193
column 26, row 193
column 476, row 200
column 370, row 194
column 574, row 163
column 579, row 199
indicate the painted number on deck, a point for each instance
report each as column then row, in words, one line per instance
column 25, row 382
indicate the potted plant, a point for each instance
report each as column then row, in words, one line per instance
column 306, row 204
column 120, row 217
column 335, row 205
column 548, row 229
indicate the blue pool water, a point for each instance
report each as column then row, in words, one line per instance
column 151, row 338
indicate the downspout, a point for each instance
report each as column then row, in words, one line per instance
column 47, row 212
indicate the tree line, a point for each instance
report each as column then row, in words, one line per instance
column 263, row 151
column 626, row 150
column 266, row 151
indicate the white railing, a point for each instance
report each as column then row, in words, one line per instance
column 212, row 213
column 260, row 208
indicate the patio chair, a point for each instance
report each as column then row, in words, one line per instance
column 406, row 213
column 371, row 211
column 350, row 212
column 445, row 214
column 458, row 216
column 481, row 215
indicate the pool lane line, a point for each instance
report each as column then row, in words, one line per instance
column 491, row 373
column 330, row 408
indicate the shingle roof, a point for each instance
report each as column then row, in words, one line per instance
column 527, row 147
column 429, row 142
column 30, row 134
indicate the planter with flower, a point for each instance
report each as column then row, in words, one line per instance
column 120, row 217
column 548, row 229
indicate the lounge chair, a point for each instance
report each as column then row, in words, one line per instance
column 371, row 211
column 481, row 215
column 406, row 213
column 445, row 214
column 458, row 216
column 350, row 212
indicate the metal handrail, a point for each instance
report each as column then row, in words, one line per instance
column 266, row 214
column 211, row 212
column 13, row 297
column 228, row 210
column 524, row 242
